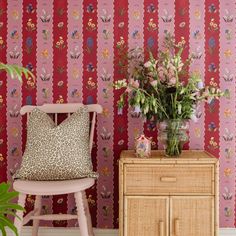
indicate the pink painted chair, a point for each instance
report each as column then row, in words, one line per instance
column 40, row 188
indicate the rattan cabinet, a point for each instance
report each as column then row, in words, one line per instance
column 162, row 196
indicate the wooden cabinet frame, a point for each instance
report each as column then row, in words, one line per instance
column 198, row 159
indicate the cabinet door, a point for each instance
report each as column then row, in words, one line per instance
column 192, row 216
column 146, row 216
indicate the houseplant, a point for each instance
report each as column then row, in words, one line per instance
column 6, row 207
column 162, row 91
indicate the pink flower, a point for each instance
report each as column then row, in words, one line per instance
column 172, row 81
column 153, row 83
column 148, row 64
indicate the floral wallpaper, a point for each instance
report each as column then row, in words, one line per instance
column 74, row 48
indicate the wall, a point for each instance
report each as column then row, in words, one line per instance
column 73, row 47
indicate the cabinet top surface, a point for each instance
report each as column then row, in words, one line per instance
column 129, row 156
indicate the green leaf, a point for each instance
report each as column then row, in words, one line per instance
column 2, row 228
column 8, row 223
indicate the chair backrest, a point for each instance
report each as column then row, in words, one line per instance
column 68, row 109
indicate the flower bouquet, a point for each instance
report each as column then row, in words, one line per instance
column 162, row 91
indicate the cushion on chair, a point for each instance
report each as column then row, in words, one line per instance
column 57, row 152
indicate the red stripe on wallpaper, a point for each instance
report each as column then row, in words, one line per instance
column 151, row 45
column 182, row 33
column 90, row 82
column 3, row 92
column 212, row 75
column 120, row 138
column 29, row 33
column 60, row 81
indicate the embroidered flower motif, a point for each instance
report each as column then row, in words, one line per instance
column 45, row 17
column 151, row 8
column 60, row 25
column 166, row 17
column 228, row 76
column 15, row 14
column 90, row 25
column 151, row 25
column 90, row 84
column 105, row 76
column 45, row 34
column 227, row 113
column 75, row 93
column 228, row 34
column 212, row 8
column 30, row 26
column 75, row 34
column 60, row 100
column 30, row 8
column 14, row 34
column 2, row 44
column 44, row 76
column 60, row 44
column 197, row 14
column 228, row 17
column 213, row 26
column 136, row 15
column 197, row 54
column 105, row 17
column 106, row 34
column 14, row 54
column 75, row 14
column 75, row 73
column 197, row 34
column 45, row 54
column 105, row 53
column 212, row 144
column 74, row 53
column 90, row 8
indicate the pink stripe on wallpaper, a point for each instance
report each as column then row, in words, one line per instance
column 135, row 39
column 14, row 93
column 197, row 50
column 74, row 70
column 44, row 52
column 105, row 97
column 75, row 51
column 166, row 13
column 227, row 127
column 44, row 70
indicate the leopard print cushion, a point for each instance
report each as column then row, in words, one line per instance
column 57, row 152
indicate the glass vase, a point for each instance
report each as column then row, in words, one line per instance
column 173, row 134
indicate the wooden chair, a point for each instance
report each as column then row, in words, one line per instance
column 40, row 188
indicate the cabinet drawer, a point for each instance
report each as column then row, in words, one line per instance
column 168, row 179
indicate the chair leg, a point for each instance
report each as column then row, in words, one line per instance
column 83, row 213
column 37, row 208
column 19, row 222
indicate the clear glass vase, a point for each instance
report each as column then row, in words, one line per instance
column 173, row 134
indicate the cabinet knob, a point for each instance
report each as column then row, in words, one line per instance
column 176, row 227
column 168, row 179
column 161, row 228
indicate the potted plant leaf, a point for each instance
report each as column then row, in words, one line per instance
column 6, row 206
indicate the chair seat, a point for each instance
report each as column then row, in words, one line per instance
column 52, row 187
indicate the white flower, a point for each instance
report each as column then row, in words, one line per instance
column 193, row 117
column 148, row 64
column 200, row 85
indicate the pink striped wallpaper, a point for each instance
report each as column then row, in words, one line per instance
column 74, row 49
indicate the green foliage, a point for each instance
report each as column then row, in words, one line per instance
column 15, row 71
column 7, row 208
column 161, row 88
